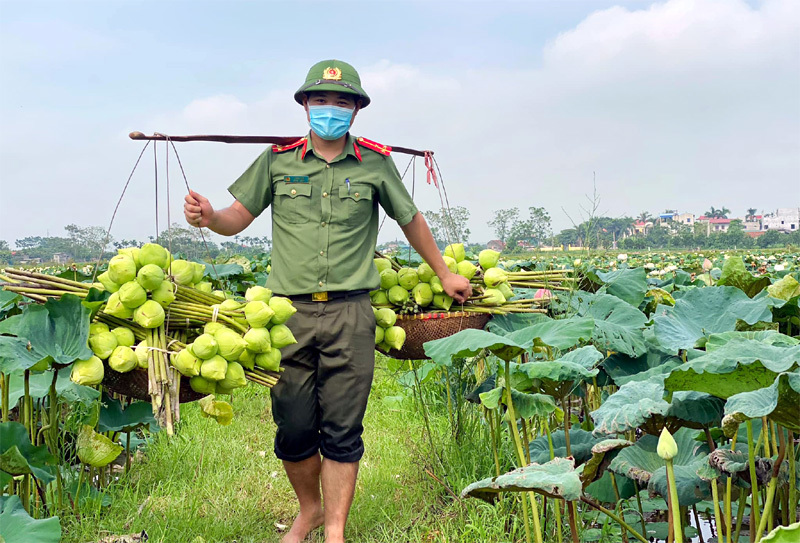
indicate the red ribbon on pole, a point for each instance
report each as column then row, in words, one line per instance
column 431, row 171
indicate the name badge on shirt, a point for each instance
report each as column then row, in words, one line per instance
column 295, row 179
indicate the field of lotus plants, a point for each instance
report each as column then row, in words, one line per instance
column 625, row 396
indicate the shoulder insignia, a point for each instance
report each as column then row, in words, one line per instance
column 385, row 150
column 287, row 147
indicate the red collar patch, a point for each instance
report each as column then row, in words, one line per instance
column 384, row 150
column 293, row 145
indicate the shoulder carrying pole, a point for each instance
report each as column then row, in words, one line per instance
column 277, row 140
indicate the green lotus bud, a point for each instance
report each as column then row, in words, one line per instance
column 451, row 263
column 667, row 449
column 731, row 422
column 283, row 309
column 495, row 297
column 132, row 252
column 270, row 361
column 97, row 327
column 87, row 372
column 383, row 264
column 121, row 269
column 164, row 294
column 281, row 336
column 442, row 301
column 115, row 308
column 230, row 305
column 383, row 346
column 258, row 294
column 214, row 368
column 455, row 251
column 407, row 278
column 258, row 340
column 398, row 295
column 199, row 270
column 202, row 386
column 378, row 335
column 182, row 272
column 436, row 285
column 494, row 276
column 425, row 272
column 395, row 337
column 213, row 327
column 153, row 253
column 103, row 344
column 234, row 377
column 385, row 317
column 205, row 346
column 123, row 359
column 132, row 295
column 247, row 359
column 124, row 335
column 142, row 354
column 388, row 279
column 379, row 297
column 149, row 315
column 230, row 343
column 186, row 362
column 203, row 286
column 108, row 284
column 219, row 294
column 505, row 288
column 258, row 313
column 466, row 269
column 488, row 258
column 150, row 277
column 423, row 294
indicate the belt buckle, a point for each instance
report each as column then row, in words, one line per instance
column 319, row 296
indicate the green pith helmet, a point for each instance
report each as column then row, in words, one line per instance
column 332, row 75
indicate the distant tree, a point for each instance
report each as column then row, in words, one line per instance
column 751, row 213
column 772, row 238
column 186, row 241
column 449, row 226
column 540, row 224
column 503, row 221
column 644, row 216
column 721, row 213
column 3, row 245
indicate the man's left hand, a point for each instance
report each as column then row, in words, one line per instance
column 457, row 287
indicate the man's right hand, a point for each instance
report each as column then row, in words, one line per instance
column 197, row 210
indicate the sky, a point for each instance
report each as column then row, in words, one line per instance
column 679, row 104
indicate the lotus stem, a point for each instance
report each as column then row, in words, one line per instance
column 618, row 519
column 754, row 511
column 792, row 509
column 773, row 484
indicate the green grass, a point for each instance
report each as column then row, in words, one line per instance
column 240, row 493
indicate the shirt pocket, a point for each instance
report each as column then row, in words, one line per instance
column 355, row 204
column 293, row 202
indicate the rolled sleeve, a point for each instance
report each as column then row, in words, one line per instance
column 253, row 189
column 393, row 195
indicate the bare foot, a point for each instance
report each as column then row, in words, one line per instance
column 302, row 525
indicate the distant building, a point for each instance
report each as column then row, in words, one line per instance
column 785, row 219
column 685, row 218
column 714, row 225
column 496, row 245
column 752, row 223
column 641, row 227
column 61, row 258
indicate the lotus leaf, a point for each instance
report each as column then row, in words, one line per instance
column 627, row 284
column 114, row 418
column 96, row 449
column 737, row 366
column 469, row 343
column 770, row 337
column 17, row 526
column 642, row 463
column 782, row 534
column 18, row 456
column 735, row 274
column 784, row 289
column 780, row 402
column 556, row 479
column 630, row 406
column 697, row 314
column 581, row 443
column 222, row 412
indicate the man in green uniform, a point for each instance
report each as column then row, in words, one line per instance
column 324, row 190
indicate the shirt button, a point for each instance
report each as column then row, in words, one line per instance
column 356, row 195
column 323, row 223
column 294, row 192
column 321, row 283
column 327, row 165
column 324, row 194
column 321, row 253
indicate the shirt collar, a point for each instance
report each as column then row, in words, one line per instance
column 350, row 148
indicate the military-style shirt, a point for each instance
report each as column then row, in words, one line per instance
column 324, row 215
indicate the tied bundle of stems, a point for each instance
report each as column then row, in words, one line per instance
column 163, row 381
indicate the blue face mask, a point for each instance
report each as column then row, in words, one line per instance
column 330, row 122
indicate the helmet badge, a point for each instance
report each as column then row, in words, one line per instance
column 334, row 74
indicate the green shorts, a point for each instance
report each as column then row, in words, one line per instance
column 319, row 401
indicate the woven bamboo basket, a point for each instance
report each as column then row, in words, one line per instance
column 429, row 326
column 134, row 385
